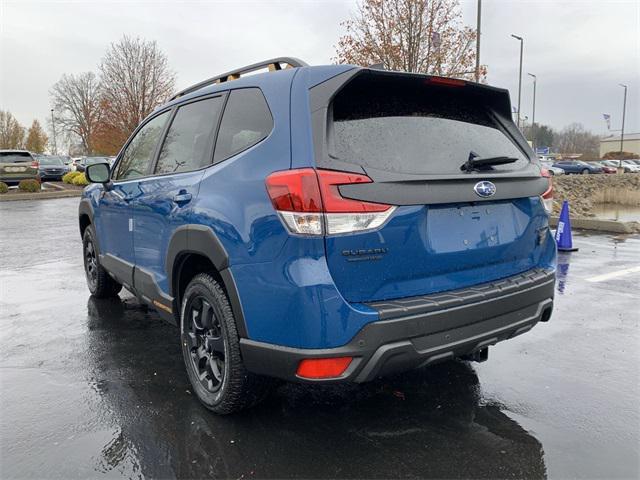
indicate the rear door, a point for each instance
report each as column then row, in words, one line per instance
column 452, row 228
column 164, row 200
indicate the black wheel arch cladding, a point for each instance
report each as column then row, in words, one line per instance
column 201, row 240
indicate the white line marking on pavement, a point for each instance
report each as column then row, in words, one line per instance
column 608, row 276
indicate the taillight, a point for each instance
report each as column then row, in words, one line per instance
column 309, row 202
column 35, row 164
column 547, row 196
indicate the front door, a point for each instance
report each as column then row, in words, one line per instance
column 115, row 222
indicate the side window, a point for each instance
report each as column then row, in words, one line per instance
column 187, row 145
column 138, row 156
column 246, row 121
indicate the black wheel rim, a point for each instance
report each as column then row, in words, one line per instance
column 205, row 342
column 90, row 263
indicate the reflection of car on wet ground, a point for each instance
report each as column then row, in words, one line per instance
column 17, row 165
column 319, row 244
column 441, row 407
column 52, row 167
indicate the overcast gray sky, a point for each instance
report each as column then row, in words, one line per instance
column 581, row 49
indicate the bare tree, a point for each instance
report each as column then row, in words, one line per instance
column 76, row 102
column 425, row 36
column 135, row 79
column 36, row 138
column 575, row 139
column 11, row 132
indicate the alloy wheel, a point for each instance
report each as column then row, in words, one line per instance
column 204, row 338
column 90, row 263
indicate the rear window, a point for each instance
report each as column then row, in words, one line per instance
column 410, row 127
column 15, row 157
column 189, row 140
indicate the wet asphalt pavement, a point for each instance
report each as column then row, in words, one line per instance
column 92, row 388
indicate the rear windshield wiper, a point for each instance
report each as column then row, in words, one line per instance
column 476, row 162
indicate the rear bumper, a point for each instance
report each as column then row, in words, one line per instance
column 11, row 180
column 423, row 330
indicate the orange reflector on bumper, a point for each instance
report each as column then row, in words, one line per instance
column 323, row 367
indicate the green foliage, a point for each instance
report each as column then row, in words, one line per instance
column 29, row 186
column 4, row 188
column 80, row 180
column 68, row 177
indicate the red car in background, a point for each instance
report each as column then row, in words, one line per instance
column 607, row 168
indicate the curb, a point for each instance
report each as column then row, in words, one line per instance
column 611, row 226
column 12, row 197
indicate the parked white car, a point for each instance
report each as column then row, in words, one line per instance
column 631, row 166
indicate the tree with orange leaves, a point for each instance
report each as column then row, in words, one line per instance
column 422, row 36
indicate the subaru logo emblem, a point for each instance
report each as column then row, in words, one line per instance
column 485, row 189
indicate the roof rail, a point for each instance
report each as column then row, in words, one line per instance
column 273, row 64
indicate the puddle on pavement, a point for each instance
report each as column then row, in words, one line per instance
column 612, row 211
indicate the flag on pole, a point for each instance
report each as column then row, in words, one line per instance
column 607, row 118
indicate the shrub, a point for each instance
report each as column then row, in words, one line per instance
column 29, row 186
column 68, row 177
column 80, row 180
column 4, row 188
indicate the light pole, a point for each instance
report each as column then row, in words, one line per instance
column 533, row 114
column 53, row 127
column 624, row 111
column 519, row 75
column 478, row 42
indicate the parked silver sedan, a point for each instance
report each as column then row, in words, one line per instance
column 552, row 170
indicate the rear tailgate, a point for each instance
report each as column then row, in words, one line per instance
column 16, row 165
column 411, row 134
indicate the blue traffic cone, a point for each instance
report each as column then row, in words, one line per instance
column 563, row 232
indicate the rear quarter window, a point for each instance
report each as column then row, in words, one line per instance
column 245, row 122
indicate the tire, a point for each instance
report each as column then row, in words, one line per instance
column 585, row 171
column 211, row 350
column 100, row 283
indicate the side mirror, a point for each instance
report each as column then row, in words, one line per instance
column 98, row 173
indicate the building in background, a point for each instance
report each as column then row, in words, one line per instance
column 612, row 144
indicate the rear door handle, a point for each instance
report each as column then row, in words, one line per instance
column 182, row 198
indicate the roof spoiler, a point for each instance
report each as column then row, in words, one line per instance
column 273, row 64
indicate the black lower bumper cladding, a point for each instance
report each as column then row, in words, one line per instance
column 423, row 330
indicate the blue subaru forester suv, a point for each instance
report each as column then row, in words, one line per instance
column 324, row 224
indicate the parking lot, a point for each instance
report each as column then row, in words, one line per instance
column 97, row 388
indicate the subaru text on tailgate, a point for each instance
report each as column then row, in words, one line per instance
column 324, row 224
